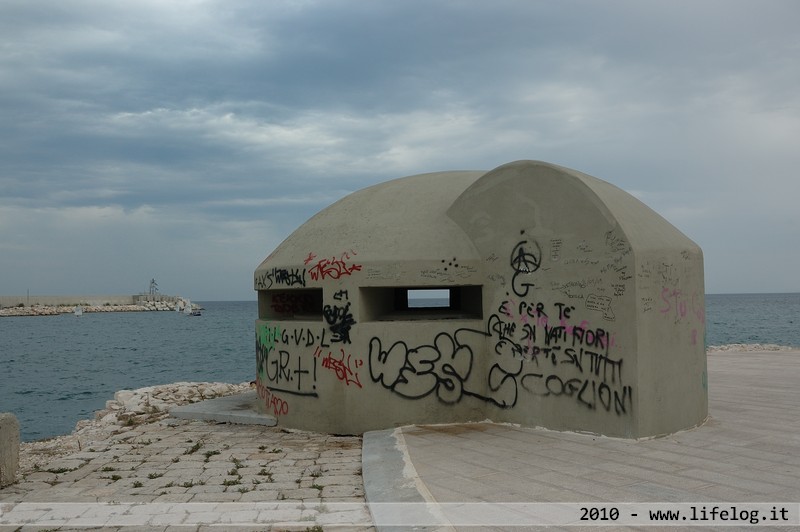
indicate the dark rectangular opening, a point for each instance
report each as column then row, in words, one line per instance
column 421, row 303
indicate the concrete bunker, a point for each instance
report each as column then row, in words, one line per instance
column 570, row 305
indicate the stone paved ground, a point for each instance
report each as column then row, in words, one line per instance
column 176, row 461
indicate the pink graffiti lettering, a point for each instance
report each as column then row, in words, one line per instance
column 680, row 306
column 673, row 302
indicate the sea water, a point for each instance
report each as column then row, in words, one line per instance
column 56, row 370
column 753, row 319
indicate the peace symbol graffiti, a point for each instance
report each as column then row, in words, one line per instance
column 526, row 257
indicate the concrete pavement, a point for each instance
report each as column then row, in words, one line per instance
column 747, row 452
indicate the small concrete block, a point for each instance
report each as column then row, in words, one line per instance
column 9, row 448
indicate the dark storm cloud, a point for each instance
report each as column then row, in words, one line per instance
column 212, row 129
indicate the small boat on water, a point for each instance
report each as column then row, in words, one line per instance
column 189, row 310
column 78, row 311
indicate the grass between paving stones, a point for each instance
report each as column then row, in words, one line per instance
column 188, row 484
column 209, row 454
column 61, row 470
column 232, row 481
column 194, row 448
column 274, row 450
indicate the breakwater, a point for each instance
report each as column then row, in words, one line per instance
column 54, row 305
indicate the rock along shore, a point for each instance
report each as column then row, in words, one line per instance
column 54, row 310
column 128, row 409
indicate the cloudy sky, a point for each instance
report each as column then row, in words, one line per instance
column 184, row 139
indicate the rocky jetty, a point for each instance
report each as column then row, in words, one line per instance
column 46, row 310
column 128, row 409
column 144, row 306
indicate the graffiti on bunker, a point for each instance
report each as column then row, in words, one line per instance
column 528, row 354
column 540, row 349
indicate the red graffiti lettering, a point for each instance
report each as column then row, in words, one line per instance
column 278, row 406
column 287, row 303
column 335, row 267
column 345, row 367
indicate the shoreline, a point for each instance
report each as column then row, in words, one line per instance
column 126, row 411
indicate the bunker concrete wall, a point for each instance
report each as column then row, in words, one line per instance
column 573, row 306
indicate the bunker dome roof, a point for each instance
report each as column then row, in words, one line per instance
column 400, row 220
column 428, row 216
